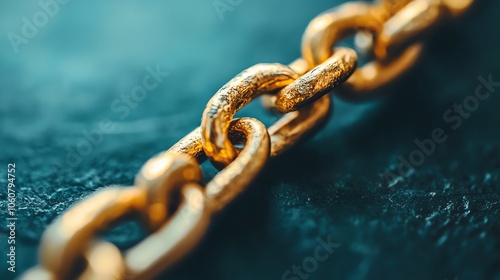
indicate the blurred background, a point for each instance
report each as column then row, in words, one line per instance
column 77, row 67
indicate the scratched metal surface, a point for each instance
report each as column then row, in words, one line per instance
column 440, row 222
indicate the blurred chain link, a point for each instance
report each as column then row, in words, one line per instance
column 168, row 198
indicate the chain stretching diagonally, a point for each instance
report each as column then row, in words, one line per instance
column 168, row 196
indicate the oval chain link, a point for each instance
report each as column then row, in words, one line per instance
column 336, row 24
column 168, row 197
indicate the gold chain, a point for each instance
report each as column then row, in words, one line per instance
column 168, row 197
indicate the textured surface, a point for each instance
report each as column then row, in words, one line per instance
column 440, row 222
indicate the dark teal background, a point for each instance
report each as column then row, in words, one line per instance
column 441, row 222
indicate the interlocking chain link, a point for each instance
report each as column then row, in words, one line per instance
column 168, row 196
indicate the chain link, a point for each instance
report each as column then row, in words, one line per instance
column 168, row 197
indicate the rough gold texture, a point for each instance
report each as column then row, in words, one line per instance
column 317, row 82
column 334, row 25
column 242, row 89
column 414, row 20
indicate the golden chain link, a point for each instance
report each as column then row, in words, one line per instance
column 168, row 197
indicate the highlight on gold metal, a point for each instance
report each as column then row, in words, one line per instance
column 332, row 26
column 190, row 145
column 233, row 179
column 172, row 240
column 161, row 177
column 104, row 261
column 456, row 7
column 370, row 80
column 296, row 126
column 317, row 82
column 238, row 92
column 364, row 39
column 230, row 181
column 335, row 24
column 411, row 22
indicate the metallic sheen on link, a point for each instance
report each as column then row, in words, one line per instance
column 413, row 20
column 170, row 198
column 334, row 25
column 256, row 80
column 317, row 82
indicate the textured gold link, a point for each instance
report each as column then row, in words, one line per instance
column 238, row 92
column 364, row 40
column 168, row 195
column 190, row 145
column 251, row 159
column 296, row 126
column 332, row 26
column 317, row 82
column 329, row 27
column 264, row 78
column 413, row 20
